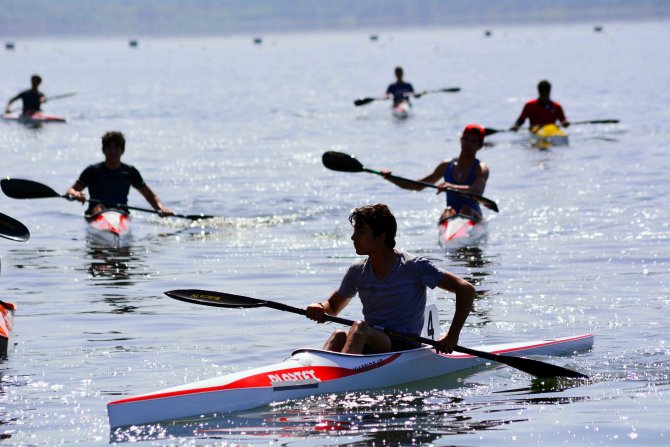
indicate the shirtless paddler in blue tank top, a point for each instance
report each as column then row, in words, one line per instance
column 465, row 173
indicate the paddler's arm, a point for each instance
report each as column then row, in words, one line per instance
column 332, row 306
column 154, row 201
column 465, row 296
column 8, row 109
column 430, row 178
column 521, row 119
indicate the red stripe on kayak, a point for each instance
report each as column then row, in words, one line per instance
column 285, row 377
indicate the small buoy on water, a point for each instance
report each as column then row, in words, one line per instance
column 258, row 40
column 597, row 28
column 374, row 37
column 9, row 45
column 487, row 33
column 132, row 43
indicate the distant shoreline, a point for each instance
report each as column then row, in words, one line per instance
column 196, row 18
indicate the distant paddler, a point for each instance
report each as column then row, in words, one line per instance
column 541, row 111
column 401, row 91
column 109, row 182
column 32, row 98
column 464, row 173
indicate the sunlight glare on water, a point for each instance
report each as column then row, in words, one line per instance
column 219, row 127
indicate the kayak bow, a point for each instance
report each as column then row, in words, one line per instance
column 460, row 231
column 111, row 226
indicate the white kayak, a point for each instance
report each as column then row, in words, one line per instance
column 401, row 110
column 111, row 226
column 460, row 231
column 310, row 372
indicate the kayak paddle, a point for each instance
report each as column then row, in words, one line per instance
column 219, row 299
column 364, row 101
column 61, row 96
column 339, row 161
column 489, row 131
column 28, row 189
column 51, row 98
column 12, row 229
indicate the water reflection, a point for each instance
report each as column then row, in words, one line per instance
column 415, row 417
column 116, row 264
column 480, row 268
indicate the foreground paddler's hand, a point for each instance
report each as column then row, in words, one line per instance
column 446, row 344
column 316, row 311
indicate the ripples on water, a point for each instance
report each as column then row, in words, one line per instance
column 223, row 127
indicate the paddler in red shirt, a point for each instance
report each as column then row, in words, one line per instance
column 541, row 111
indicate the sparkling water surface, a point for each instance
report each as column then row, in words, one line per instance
column 225, row 127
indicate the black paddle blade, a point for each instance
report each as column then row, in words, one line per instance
column 488, row 131
column 216, row 299
column 339, row 161
column 363, row 101
column 450, row 90
column 26, row 189
column 533, row 367
column 194, row 216
column 12, row 229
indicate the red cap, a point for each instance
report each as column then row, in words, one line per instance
column 478, row 128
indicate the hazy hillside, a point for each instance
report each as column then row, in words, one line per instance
column 193, row 17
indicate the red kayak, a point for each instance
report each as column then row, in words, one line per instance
column 33, row 118
column 6, row 323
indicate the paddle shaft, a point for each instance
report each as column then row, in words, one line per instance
column 483, row 200
column 398, row 335
column 368, row 100
column 490, row 131
column 29, row 189
column 51, row 98
column 136, row 208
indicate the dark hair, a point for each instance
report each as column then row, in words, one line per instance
column 379, row 218
column 35, row 79
column 398, row 71
column 114, row 137
column 544, row 86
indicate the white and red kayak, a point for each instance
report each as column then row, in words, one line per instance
column 401, row 110
column 460, row 231
column 111, row 226
column 33, row 118
column 311, row 371
column 6, row 324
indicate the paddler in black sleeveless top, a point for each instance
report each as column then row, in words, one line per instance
column 32, row 98
column 109, row 182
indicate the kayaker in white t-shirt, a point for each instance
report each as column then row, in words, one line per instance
column 392, row 287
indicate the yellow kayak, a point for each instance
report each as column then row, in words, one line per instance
column 548, row 135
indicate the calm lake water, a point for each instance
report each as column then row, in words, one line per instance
column 226, row 127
